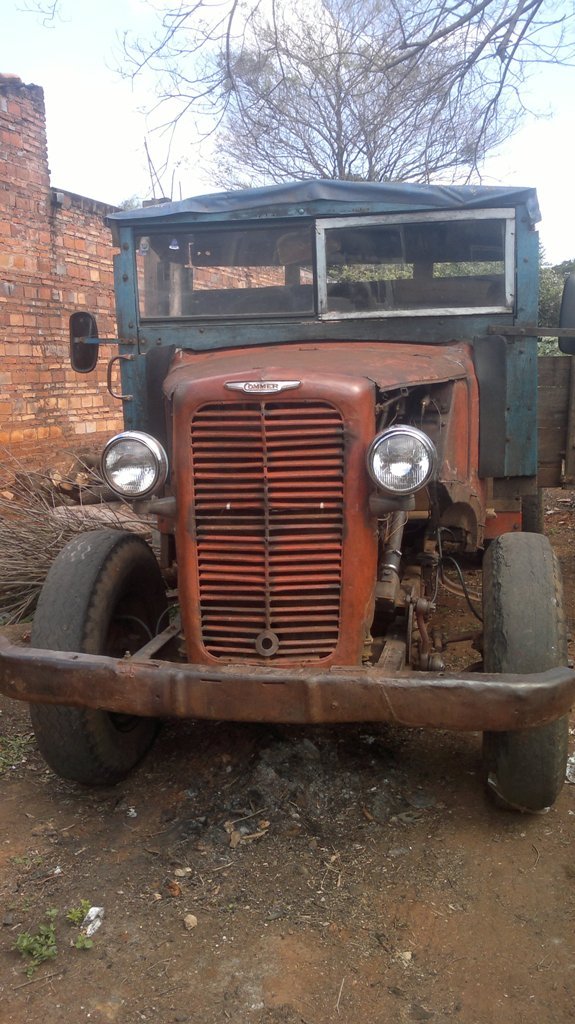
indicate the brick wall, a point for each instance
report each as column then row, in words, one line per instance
column 55, row 258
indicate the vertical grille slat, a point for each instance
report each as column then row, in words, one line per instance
column 268, row 517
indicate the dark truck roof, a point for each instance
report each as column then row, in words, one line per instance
column 328, row 198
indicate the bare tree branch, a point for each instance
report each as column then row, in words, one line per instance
column 347, row 88
column 317, row 96
column 50, row 11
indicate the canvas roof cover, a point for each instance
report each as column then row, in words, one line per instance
column 328, row 198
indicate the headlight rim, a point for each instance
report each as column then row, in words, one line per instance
column 158, row 453
column 411, row 431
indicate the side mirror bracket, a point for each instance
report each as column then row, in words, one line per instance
column 84, row 342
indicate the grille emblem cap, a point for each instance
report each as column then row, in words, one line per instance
column 267, row 643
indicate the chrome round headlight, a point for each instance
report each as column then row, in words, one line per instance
column 134, row 464
column 401, row 460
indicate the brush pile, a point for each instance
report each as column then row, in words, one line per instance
column 39, row 513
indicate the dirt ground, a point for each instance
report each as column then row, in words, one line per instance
column 289, row 876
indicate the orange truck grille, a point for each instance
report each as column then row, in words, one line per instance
column 268, row 509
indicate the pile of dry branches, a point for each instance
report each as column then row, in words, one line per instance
column 34, row 526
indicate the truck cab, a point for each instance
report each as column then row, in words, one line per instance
column 330, row 396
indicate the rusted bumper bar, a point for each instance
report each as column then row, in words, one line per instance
column 258, row 694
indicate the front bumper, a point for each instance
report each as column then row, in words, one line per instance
column 250, row 693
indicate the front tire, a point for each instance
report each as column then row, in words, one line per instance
column 524, row 631
column 104, row 594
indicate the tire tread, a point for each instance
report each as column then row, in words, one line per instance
column 524, row 631
column 73, row 614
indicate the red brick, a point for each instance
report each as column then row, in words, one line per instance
column 58, row 260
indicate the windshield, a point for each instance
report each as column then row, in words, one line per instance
column 259, row 271
column 408, row 265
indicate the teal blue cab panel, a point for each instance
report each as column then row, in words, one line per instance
column 506, row 365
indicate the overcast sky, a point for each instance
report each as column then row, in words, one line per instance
column 96, row 125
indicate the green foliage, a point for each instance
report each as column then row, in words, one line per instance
column 547, row 347
column 14, row 751
column 551, row 282
column 133, row 203
column 41, row 946
column 29, row 860
column 369, row 272
column 550, row 291
column 468, row 269
column 567, row 267
column 77, row 914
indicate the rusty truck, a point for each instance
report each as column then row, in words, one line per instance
column 330, row 404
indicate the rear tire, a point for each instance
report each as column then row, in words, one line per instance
column 524, row 631
column 104, row 594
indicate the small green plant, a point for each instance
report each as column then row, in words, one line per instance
column 14, row 751
column 27, row 861
column 77, row 914
column 41, row 946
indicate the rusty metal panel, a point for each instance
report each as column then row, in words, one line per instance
column 277, row 549
column 268, row 508
column 246, row 693
column 390, row 366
